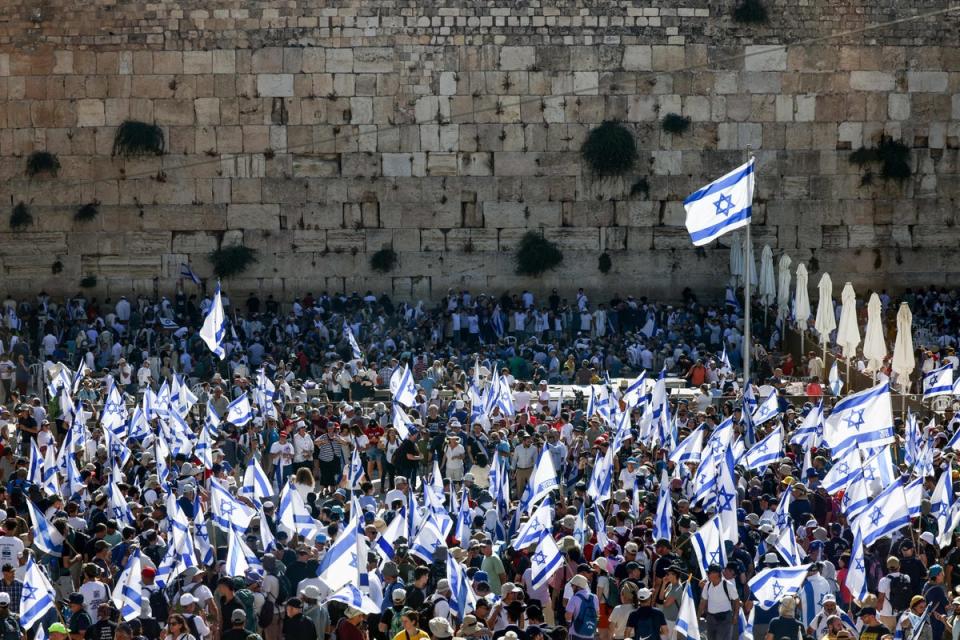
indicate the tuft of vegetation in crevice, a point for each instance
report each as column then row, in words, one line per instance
column 892, row 155
column 604, row 264
column 675, row 123
column 231, row 261
column 56, row 267
column 87, row 212
column 88, row 282
column 609, row 150
column 42, row 162
column 384, row 261
column 535, row 255
column 640, row 187
column 750, row 12
column 134, row 138
column 20, row 217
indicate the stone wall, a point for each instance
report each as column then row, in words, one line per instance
column 319, row 132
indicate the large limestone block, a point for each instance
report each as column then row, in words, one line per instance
column 253, row 216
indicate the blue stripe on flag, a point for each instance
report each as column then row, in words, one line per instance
column 732, row 219
column 720, row 185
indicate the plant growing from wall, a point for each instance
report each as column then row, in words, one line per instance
column 640, row 187
column 675, row 123
column 384, row 260
column 231, row 261
column 20, row 217
column 604, row 263
column 609, row 150
column 56, row 267
column 88, row 282
column 87, row 212
column 535, row 254
column 750, row 12
column 135, row 138
column 892, row 155
column 42, row 162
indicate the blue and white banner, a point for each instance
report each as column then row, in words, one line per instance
column 765, row 452
column 545, row 562
column 214, row 326
column 708, row 543
column 863, row 419
column 688, row 622
column 38, row 596
column 938, row 382
column 722, row 206
column 239, row 412
column 351, row 596
column 662, row 522
column 128, row 593
column 770, row 586
column 887, row 513
column 768, row 410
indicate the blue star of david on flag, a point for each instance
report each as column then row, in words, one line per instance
column 876, row 516
column 777, row 589
column 723, row 205
column 855, row 419
column 724, row 500
column 539, row 557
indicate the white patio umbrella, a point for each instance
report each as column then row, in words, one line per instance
column 874, row 346
column 903, row 360
column 783, row 287
column 826, row 321
column 848, row 332
column 801, row 304
column 768, row 281
column 736, row 261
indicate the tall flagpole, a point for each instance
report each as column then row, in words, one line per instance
column 748, row 253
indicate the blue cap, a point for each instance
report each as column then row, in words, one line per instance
column 816, row 544
column 481, row 576
column 741, row 514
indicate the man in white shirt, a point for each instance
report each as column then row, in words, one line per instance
column 144, row 376
column 886, row 613
column 281, row 453
column 10, row 546
column 719, row 605
column 524, row 457
column 302, row 446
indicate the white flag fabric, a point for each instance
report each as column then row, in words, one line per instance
column 228, row 512
column 402, row 387
column 256, row 483
column 351, row 596
column 688, row 623
column 38, row 596
column 887, row 513
column 662, row 523
column 864, row 419
column 767, row 410
column 765, row 452
column 545, row 562
column 708, row 543
column 722, row 206
column 770, row 586
column 239, row 412
column 214, row 325
column 293, row 515
column 539, row 525
column 45, row 535
column 856, row 580
column 128, row 592
column 938, row 382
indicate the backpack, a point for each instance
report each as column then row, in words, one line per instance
column 397, row 460
column 283, row 583
column 585, row 624
column 267, row 611
column 245, row 597
column 159, row 604
column 396, row 623
column 900, row 592
column 426, row 612
column 192, row 624
column 613, row 593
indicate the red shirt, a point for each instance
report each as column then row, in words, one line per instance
column 373, row 434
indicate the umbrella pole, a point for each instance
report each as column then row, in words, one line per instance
column 747, row 342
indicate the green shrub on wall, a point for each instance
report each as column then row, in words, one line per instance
column 231, row 261
column 535, row 254
column 892, row 155
column 134, row 138
column 384, row 260
column 750, row 12
column 609, row 150
column 42, row 162
column 87, row 212
column 20, row 217
column 675, row 123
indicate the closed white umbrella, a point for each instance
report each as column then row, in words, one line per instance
column 768, row 282
column 736, row 261
column 826, row 321
column 848, row 332
column 801, row 299
column 783, row 287
column 903, row 360
column 874, row 346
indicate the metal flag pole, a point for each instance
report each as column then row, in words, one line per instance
column 748, row 255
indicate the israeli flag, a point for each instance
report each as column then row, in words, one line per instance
column 946, row 534
column 810, row 431
column 355, row 471
column 856, row 497
column 211, row 422
column 770, row 586
column 341, row 563
column 239, row 412
column 428, row 539
column 633, row 396
column 351, row 596
column 600, row 526
column 45, row 536
column 863, row 419
column 708, row 544
column 386, row 543
column 730, row 299
column 878, row 470
column 228, row 513
column 545, row 562
column 602, row 477
column 35, row 469
column 726, row 498
column 128, row 592
column 119, row 506
column 352, row 339
column 294, row 517
column 938, row 382
column 887, row 513
column 856, row 580
column 214, row 326
column 845, row 468
column 542, row 482
column 187, row 272
column 240, row 558
column 688, row 622
column 914, row 493
column 201, row 539
column 51, row 483
column 662, row 522
column 941, row 500
column 580, row 531
column 690, row 449
column 786, row 546
column 745, row 624
column 765, row 452
column 834, row 381
column 256, row 483
column 462, row 598
column 38, row 596
column 402, row 387
column 768, row 410
column 539, row 525
column 722, row 206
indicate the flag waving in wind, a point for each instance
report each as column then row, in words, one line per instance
column 214, row 326
column 722, row 206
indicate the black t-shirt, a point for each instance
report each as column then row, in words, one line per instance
column 408, row 447
column 874, row 632
column 80, row 622
column 786, row 628
column 103, row 630
column 235, row 634
column 646, row 623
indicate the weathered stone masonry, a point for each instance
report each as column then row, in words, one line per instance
column 320, row 132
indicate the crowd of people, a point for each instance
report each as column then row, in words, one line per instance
column 137, row 449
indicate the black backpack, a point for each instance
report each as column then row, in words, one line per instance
column 266, row 615
column 159, row 604
column 900, row 592
column 426, row 612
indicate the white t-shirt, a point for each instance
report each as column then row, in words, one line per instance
column 94, row 594
column 884, row 587
column 10, row 550
column 718, row 600
column 282, row 453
